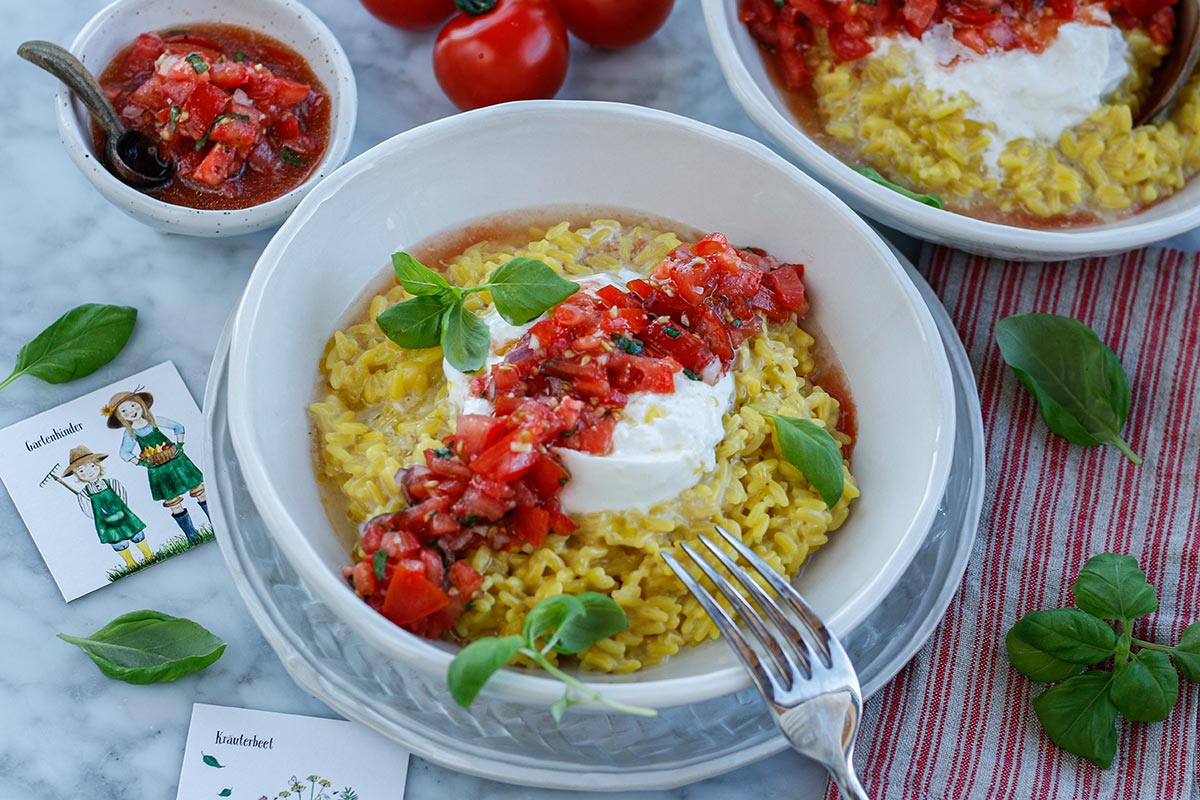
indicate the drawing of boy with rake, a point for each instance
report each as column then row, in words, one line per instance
column 104, row 501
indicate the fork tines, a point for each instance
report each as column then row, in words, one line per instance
column 786, row 650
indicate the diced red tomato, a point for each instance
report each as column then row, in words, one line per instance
column 785, row 282
column 203, row 106
column 411, row 597
column 474, row 432
column 234, row 131
column 231, row 74
column 219, row 164
column 918, row 15
column 364, row 579
column 289, row 92
column 508, row 459
column 548, row 477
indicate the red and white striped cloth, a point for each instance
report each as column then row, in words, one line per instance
column 957, row 723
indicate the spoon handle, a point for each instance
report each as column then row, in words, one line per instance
column 59, row 62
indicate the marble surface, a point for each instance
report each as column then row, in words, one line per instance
column 65, row 731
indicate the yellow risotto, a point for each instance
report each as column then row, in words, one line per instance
column 1101, row 168
column 380, row 406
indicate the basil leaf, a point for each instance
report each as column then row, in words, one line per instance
column 1186, row 654
column 198, row 63
column 476, row 663
column 524, row 288
column 379, row 564
column 225, row 793
column 600, row 618
column 76, row 344
column 812, row 450
column 549, row 615
column 415, row 323
column 290, row 157
column 1068, row 635
column 418, row 279
column 239, row 56
column 1033, row 662
column 1112, row 586
column 928, row 199
column 149, row 647
column 1145, row 687
column 211, row 761
column 1080, row 717
column 465, row 338
column 1080, row 387
column 629, row 344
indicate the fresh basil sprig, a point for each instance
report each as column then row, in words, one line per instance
column 149, row 647
column 928, row 199
column 812, row 450
column 76, row 344
column 1080, row 712
column 564, row 623
column 1080, row 387
column 522, row 288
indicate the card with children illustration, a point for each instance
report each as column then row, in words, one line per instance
column 111, row 483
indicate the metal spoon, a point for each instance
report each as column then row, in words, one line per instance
column 1178, row 64
column 132, row 155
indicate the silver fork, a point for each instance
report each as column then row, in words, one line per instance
column 798, row 665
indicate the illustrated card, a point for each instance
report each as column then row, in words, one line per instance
column 262, row 755
column 112, row 482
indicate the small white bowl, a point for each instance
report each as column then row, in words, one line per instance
column 741, row 60
column 447, row 174
column 118, row 24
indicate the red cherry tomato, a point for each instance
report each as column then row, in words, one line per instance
column 614, row 23
column 515, row 50
column 412, row 15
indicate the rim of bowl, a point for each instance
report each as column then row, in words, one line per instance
column 915, row 218
column 184, row 219
column 531, row 687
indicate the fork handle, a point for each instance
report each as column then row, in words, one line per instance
column 847, row 781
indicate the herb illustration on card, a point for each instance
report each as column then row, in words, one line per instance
column 238, row 752
column 109, row 484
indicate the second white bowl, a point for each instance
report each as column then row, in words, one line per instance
column 741, row 60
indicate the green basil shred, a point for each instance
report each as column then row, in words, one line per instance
column 198, row 63
column 292, row 158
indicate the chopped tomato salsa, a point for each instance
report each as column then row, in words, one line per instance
column 563, row 384
column 787, row 27
column 243, row 116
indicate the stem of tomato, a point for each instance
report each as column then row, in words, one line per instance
column 475, row 7
column 586, row 690
column 1127, row 450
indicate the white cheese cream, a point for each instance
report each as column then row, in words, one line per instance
column 1024, row 95
column 661, row 446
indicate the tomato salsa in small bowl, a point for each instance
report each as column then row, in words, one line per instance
column 253, row 109
column 242, row 115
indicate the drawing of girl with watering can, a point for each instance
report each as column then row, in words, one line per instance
column 171, row 473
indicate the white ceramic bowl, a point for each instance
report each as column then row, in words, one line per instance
column 440, row 176
column 742, row 63
column 118, row 24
